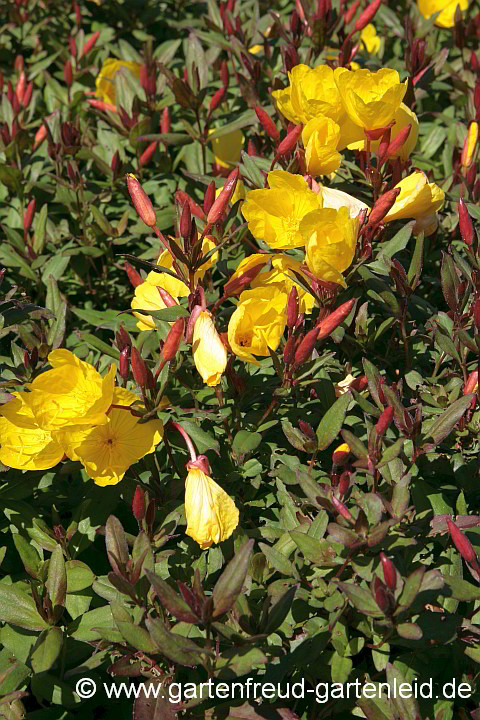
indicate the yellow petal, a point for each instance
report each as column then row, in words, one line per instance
column 209, row 352
column 210, row 512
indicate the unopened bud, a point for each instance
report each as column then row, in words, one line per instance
column 186, row 222
column 329, row 324
column 143, row 204
column 182, row 198
column 165, row 121
column 399, row 141
column 20, row 88
column 116, row 164
column 341, row 454
column 147, row 154
column 124, row 363
column 288, row 143
column 307, row 429
column 476, row 313
column 470, row 145
column 133, row 275
column 306, row 347
column 224, row 74
column 342, row 509
column 209, row 198
column 122, row 338
column 474, row 63
column 29, row 215
column 367, row 15
column 68, row 73
column 28, row 95
column 267, row 123
column 389, row 572
column 235, row 286
column 217, row 99
column 139, row 369
column 72, row 43
column 465, row 223
column 381, row 595
column 472, row 383
column 191, row 322
column 91, row 42
column 167, row 299
column 351, row 12
column 138, row 504
column 174, row 339
column 384, row 421
column 292, row 310
column 462, row 543
column 383, row 205
column 344, row 483
column 220, row 204
column 289, row 350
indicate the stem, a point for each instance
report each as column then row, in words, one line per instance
column 188, row 440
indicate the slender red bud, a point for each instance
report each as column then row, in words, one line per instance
column 186, row 222
column 381, row 595
column 165, row 121
column 220, row 204
column 290, row 141
column 10, row 91
column 168, row 300
column 124, row 364
column 342, row 509
column 139, row 369
column 191, row 322
column 367, row 15
column 116, row 164
column 466, row 224
column 306, row 347
column 29, row 215
column 174, row 339
column 384, row 421
column 91, row 42
column 147, row 154
column 399, row 141
column 73, row 45
column 20, row 89
column 183, row 198
column 307, row 429
column 462, row 543
column 389, row 572
column 19, row 63
column 143, row 204
column 224, row 74
column 292, row 310
column 289, row 350
column 217, row 99
column 68, row 73
column 330, row 323
column 209, row 198
column 344, row 483
column 122, row 338
column 383, row 205
column 28, row 95
column 138, row 503
column 133, row 275
column 351, row 12
column 235, row 286
column 102, row 105
column 267, row 123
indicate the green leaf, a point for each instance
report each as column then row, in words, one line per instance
column 57, row 578
column 29, row 556
column 410, row 589
column 203, row 440
column 410, row 631
column 79, row 576
column 171, row 600
column 176, row 648
column 443, row 426
column 230, row 583
column 278, row 561
column 360, row 598
column 135, row 636
column 18, row 608
column 116, row 543
column 47, row 649
column 245, row 442
column 331, row 423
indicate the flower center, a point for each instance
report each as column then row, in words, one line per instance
column 290, row 227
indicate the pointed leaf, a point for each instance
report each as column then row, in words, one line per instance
column 230, row 583
column 331, row 423
column 170, row 600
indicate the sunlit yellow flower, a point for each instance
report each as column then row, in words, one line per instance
column 403, row 117
column 370, row 39
column 209, row 352
column 340, row 389
column 311, row 92
column 470, row 145
column 418, row 199
column 330, row 241
column 274, row 214
column 210, row 512
column 105, row 81
column 336, row 199
column 321, row 137
column 23, row 444
column 228, row 148
column 258, row 322
column 107, row 451
column 72, row 393
column 446, row 8
column 370, row 98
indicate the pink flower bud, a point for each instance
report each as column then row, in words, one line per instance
column 20, row 89
column 220, row 204
column 306, row 346
column 138, row 503
column 342, row 509
column 166, row 297
column 91, row 42
column 288, row 143
column 383, row 205
column 147, row 154
column 472, row 383
column 329, row 324
column 28, row 95
column 462, row 543
column 384, row 421
column 466, row 225
column 124, row 363
column 267, row 122
column 101, row 105
column 174, row 339
column 367, row 15
column 217, row 99
column 389, row 572
column 399, row 141
column 29, row 215
column 165, row 121
column 133, row 275
column 143, row 204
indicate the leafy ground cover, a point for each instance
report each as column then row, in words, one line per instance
column 240, row 311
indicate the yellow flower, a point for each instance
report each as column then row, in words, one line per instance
column 227, row 148
column 23, row 444
column 211, row 514
column 370, row 99
column 147, row 296
column 257, row 323
column 209, row 352
column 418, row 199
column 330, row 241
column 312, row 92
column 446, row 8
column 336, row 199
column 470, row 145
column 403, row 117
column 370, row 39
column 105, row 82
column 107, row 451
column 320, row 137
column 72, row 393
column 274, row 214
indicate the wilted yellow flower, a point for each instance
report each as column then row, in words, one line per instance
column 370, row 99
column 209, row 352
column 257, row 323
column 228, row 148
column 330, row 241
column 320, row 137
column 446, row 8
column 211, row 514
column 418, row 199
column 370, row 39
column 105, row 81
column 470, row 145
column 73, row 393
column 107, row 451
column 340, row 389
column 23, row 444
column 274, row 214
column 312, row 92
column 403, row 117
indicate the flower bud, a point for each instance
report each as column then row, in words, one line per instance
column 235, row 286
column 472, row 383
column 72, row 43
column 124, row 363
column 344, row 483
column 384, row 421
column 383, row 205
column 381, row 595
column 139, row 369
column 289, row 350
column 342, row 509
column 350, row 13
column 469, row 145
column 68, row 73
column 165, row 121
column 29, row 215
column 101, row 105
column 389, row 572
column 133, row 275
column 399, row 141
column 174, row 339
column 147, row 154
column 20, row 88
column 292, row 310
column 186, row 222
column 122, row 338
column 367, row 15
column 28, row 95
column 91, row 42
column 306, row 347
column 143, row 204
column 289, row 142
column 341, row 454
column 138, row 503
column 476, row 313
column 267, row 123
column 466, row 224
column 329, row 324
column 462, row 543
column 307, row 429
column 182, row 197
column 217, row 99
column 224, row 74
column 209, row 198
column 220, row 204
column 197, row 309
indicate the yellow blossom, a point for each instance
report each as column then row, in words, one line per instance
column 370, row 99
column 210, row 512
column 258, row 322
column 72, row 393
column 311, row 92
column 470, row 145
column 333, row 198
column 446, row 8
column 107, row 451
column 370, row 39
column 330, row 241
column 418, row 199
column 403, row 117
column 105, row 81
column 209, row 352
column 227, row 148
column 320, row 137
column 23, row 444
column 274, row 214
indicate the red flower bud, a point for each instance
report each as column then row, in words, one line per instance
column 289, row 350
column 384, row 422
column 360, row 383
column 351, row 12
column 290, row 141
column 186, row 222
column 381, row 595
column 19, row 63
column 344, row 483
column 389, row 572
column 209, row 197
column 383, row 205
column 466, row 225
column 73, row 45
column 101, row 105
column 474, row 63
column 224, row 74
column 342, row 509
column 147, row 154
column 139, row 369
column 165, row 121
column 340, row 455
column 292, row 309
column 166, row 297
column 329, row 324
column 20, row 89
column 235, row 286
column 116, row 164
column 367, row 15
column 138, row 503
column 143, row 204
column 29, row 215
column 124, row 364
column 472, row 382
column 133, row 275
column 220, row 204
column 91, row 42
column 307, row 429
column 462, row 543
column 306, row 346
column 182, row 197
column 123, row 338
column 267, row 122
column 68, row 73
column 217, row 99
column 174, row 339
column 28, row 95
column 399, row 141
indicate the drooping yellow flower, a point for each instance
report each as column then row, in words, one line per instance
column 105, row 81
column 330, row 241
column 311, row 92
column 470, row 145
column 228, row 148
column 370, row 39
column 446, row 8
column 370, row 99
column 72, row 393
column 274, row 214
column 209, row 352
column 23, row 444
column 107, row 451
column 320, row 137
column 418, row 199
column 258, row 322
column 403, row 117
column 211, row 514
